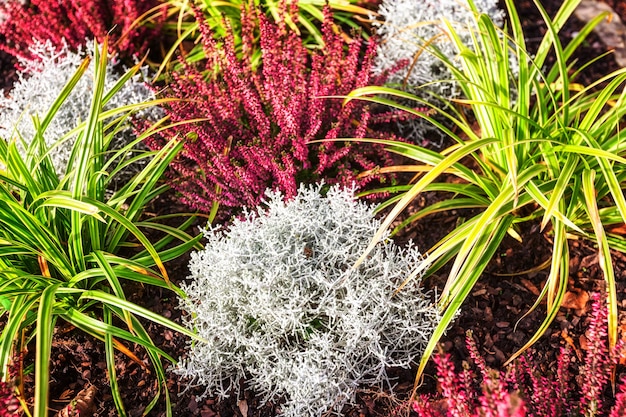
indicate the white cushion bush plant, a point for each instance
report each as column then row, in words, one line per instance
column 408, row 31
column 41, row 82
column 408, row 26
column 276, row 298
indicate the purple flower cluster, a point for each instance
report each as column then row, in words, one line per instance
column 71, row 22
column 256, row 129
column 9, row 404
column 522, row 391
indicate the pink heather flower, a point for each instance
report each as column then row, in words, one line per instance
column 9, row 404
column 71, row 22
column 563, row 377
column 619, row 409
column 496, row 401
column 256, row 127
column 521, row 390
column 454, row 392
column 596, row 370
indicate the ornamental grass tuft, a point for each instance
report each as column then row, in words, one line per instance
column 69, row 247
column 532, row 146
column 280, row 308
column 41, row 82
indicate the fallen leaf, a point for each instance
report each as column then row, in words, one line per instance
column 243, row 407
column 530, row 287
column 619, row 230
column 65, row 395
column 575, row 299
column 570, row 342
column 82, row 405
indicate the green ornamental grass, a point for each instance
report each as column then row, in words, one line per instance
column 545, row 150
column 63, row 241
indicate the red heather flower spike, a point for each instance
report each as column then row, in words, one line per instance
column 564, row 376
column 496, row 401
column 597, row 367
column 478, row 360
column 73, row 22
column 619, row 409
column 454, row 392
column 258, row 124
column 522, row 391
column 9, row 404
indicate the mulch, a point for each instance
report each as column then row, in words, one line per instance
column 495, row 311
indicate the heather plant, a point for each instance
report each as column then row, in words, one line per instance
column 522, row 390
column 68, row 248
column 254, row 130
column 531, row 147
column 225, row 16
column 43, row 80
column 70, row 22
column 272, row 297
column 9, row 404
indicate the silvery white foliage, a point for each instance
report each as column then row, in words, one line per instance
column 406, row 27
column 409, row 24
column 42, row 82
column 274, row 298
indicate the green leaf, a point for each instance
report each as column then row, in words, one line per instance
column 453, row 158
column 110, row 360
column 559, row 189
column 99, row 329
column 604, row 254
column 45, row 327
column 556, row 286
column 135, row 309
column 52, row 199
column 450, row 312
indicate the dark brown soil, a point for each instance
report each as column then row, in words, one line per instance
column 494, row 311
column 8, row 74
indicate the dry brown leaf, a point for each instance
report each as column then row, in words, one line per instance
column 575, row 299
column 530, row 287
column 82, row 405
column 584, row 342
column 243, row 407
column 65, row 395
column 570, row 342
column 618, row 230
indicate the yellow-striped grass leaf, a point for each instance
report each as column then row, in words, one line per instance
column 497, row 232
column 604, row 254
column 556, row 286
column 45, row 327
column 113, row 301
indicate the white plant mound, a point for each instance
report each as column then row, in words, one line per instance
column 411, row 30
column 411, row 27
column 274, row 297
column 40, row 84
